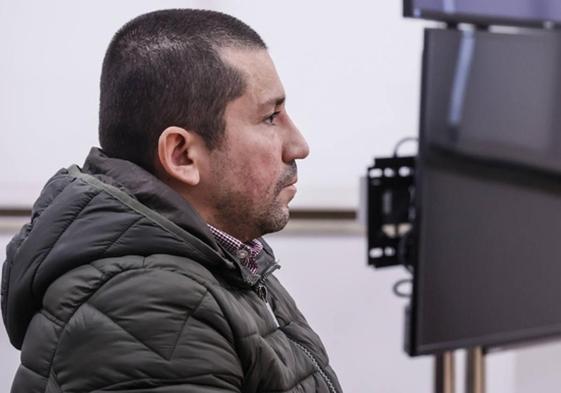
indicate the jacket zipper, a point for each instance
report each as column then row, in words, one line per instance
column 260, row 287
column 261, row 291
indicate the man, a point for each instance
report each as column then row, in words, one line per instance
column 144, row 271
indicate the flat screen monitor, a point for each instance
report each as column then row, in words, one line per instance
column 487, row 12
column 488, row 191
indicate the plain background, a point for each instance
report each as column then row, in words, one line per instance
column 352, row 73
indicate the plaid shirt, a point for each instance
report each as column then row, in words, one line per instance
column 246, row 252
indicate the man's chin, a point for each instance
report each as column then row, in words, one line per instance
column 276, row 220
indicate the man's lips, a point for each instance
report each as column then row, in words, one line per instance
column 292, row 183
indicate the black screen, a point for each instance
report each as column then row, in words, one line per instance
column 510, row 12
column 488, row 191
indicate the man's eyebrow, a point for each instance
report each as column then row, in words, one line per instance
column 275, row 101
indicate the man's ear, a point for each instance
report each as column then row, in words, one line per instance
column 179, row 152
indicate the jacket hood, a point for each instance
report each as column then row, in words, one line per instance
column 110, row 208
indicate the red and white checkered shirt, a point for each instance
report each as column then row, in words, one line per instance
column 246, row 252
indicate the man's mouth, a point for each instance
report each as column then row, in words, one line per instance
column 289, row 179
column 292, row 183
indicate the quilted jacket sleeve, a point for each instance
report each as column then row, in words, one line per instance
column 148, row 330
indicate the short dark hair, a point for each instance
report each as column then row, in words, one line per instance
column 164, row 69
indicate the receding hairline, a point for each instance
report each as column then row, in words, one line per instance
column 230, row 56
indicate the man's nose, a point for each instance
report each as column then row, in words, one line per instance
column 296, row 147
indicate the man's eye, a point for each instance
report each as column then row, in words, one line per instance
column 271, row 119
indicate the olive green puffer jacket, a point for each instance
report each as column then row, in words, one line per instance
column 116, row 285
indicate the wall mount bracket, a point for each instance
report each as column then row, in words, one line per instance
column 391, row 211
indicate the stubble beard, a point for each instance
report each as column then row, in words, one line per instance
column 247, row 220
column 276, row 216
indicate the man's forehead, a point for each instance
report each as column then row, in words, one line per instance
column 259, row 73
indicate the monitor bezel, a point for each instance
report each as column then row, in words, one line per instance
column 409, row 11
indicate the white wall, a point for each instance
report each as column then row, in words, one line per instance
column 351, row 73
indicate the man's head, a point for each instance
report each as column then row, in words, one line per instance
column 204, row 111
column 164, row 68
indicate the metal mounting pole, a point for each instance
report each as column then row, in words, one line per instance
column 475, row 370
column 444, row 372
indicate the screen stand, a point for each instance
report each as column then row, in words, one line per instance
column 444, row 372
column 475, row 370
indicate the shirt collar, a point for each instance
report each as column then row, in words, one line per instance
column 247, row 252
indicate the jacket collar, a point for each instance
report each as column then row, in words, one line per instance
column 148, row 190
